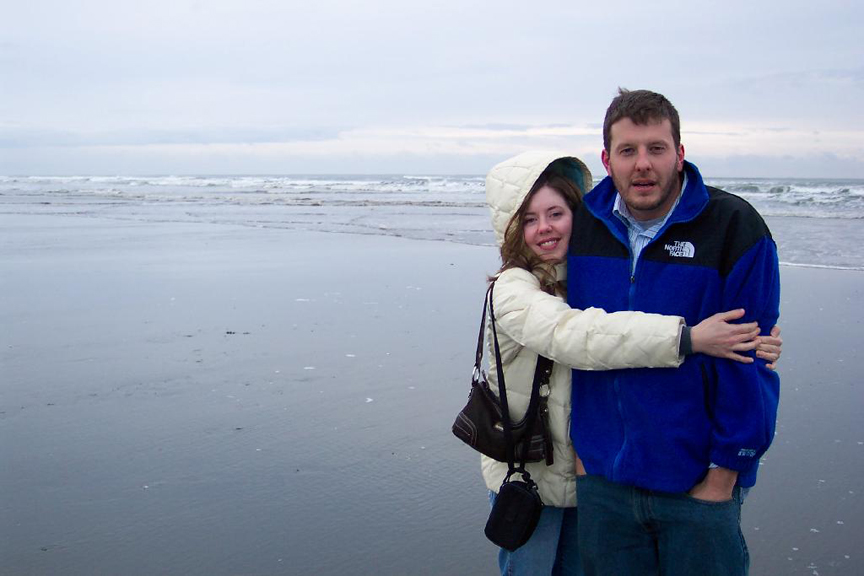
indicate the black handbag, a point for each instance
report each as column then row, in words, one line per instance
column 480, row 424
column 517, row 507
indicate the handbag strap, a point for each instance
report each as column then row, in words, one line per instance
column 541, row 376
column 478, row 359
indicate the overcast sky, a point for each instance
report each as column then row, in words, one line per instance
column 764, row 88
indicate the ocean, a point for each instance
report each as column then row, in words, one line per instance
column 816, row 222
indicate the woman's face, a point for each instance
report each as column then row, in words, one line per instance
column 547, row 225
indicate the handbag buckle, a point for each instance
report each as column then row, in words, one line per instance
column 477, row 374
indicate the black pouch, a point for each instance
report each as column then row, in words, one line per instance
column 515, row 513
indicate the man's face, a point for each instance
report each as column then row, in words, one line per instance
column 644, row 165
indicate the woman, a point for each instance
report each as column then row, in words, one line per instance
column 532, row 198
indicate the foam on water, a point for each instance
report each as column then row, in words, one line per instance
column 815, row 222
column 801, row 198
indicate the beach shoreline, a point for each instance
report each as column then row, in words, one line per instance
column 265, row 400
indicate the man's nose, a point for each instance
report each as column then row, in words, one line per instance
column 642, row 160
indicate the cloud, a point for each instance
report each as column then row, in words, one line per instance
column 17, row 137
column 285, row 85
column 501, row 126
column 824, row 165
column 766, row 140
column 720, row 149
column 852, row 77
column 380, row 139
column 385, row 149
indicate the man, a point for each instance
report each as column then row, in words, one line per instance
column 668, row 452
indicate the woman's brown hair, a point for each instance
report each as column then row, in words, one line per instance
column 515, row 253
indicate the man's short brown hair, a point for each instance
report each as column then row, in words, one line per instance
column 641, row 107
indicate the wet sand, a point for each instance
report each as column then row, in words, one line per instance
column 213, row 399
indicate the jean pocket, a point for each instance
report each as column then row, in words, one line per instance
column 711, row 503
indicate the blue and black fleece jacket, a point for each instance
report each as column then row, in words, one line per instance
column 660, row 428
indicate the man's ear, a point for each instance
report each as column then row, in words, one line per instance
column 680, row 162
column 604, row 157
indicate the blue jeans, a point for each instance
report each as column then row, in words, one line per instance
column 552, row 548
column 628, row 530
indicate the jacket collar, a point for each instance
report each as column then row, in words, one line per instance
column 601, row 200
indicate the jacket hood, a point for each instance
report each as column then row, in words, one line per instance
column 508, row 183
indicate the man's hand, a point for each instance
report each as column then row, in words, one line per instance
column 770, row 347
column 717, row 485
column 580, row 468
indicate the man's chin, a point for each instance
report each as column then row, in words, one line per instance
column 642, row 204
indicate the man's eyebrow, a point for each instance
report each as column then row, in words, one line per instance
column 651, row 143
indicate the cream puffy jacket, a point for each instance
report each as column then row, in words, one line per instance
column 530, row 321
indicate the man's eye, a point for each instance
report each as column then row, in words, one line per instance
column 626, row 151
column 658, row 149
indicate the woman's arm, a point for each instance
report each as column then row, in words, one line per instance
column 585, row 339
column 593, row 339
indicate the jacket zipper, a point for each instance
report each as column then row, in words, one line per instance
column 618, row 457
column 631, row 294
column 706, row 388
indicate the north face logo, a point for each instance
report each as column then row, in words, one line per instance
column 681, row 249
